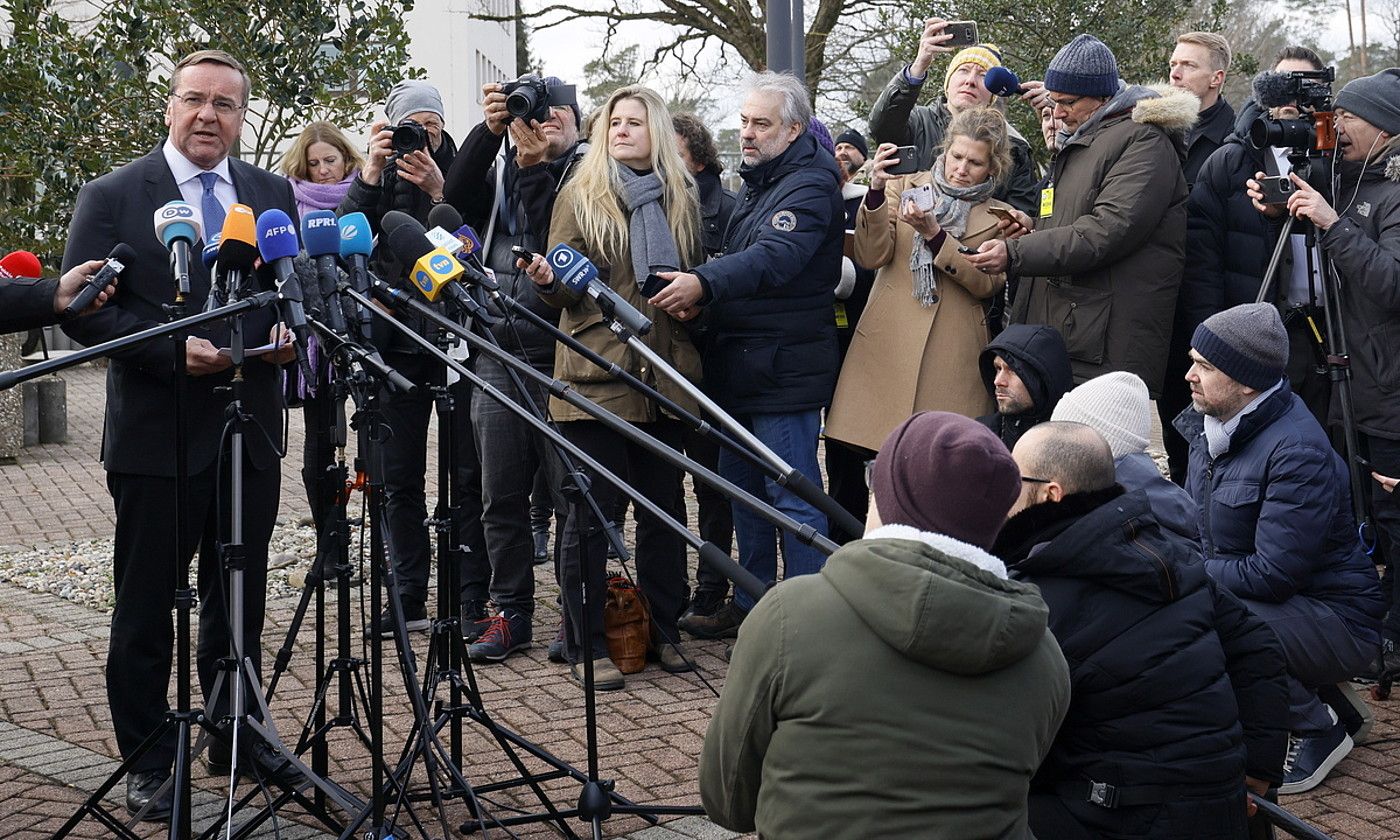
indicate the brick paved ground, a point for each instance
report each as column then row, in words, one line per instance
column 55, row 733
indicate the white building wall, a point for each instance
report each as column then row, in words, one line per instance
column 461, row 54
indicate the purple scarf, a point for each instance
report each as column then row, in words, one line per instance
column 312, row 196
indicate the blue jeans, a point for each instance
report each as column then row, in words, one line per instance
column 793, row 437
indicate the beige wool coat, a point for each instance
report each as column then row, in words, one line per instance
column 906, row 357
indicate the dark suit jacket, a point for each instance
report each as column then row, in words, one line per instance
column 139, row 433
column 27, row 304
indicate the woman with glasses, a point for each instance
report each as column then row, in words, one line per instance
column 633, row 210
column 916, row 345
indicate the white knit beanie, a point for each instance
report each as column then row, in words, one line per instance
column 1115, row 405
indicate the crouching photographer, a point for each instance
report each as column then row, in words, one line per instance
column 1360, row 238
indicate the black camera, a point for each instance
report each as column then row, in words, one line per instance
column 1311, row 135
column 409, row 136
column 529, row 98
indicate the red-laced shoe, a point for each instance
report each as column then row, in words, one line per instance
column 505, row 634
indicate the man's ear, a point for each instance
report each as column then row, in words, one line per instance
column 1054, row 492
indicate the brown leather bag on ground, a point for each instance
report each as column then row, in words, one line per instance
column 627, row 624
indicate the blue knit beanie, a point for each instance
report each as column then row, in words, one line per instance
column 1083, row 67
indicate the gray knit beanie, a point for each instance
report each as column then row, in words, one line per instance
column 1083, row 67
column 1247, row 343
column 411, row 97
column 1375, row 99
column 1116, row 405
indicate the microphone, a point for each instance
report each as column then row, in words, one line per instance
column 237, row 249
column 320, row 231
column 395, row 219
column 435, row 271
column 209, row 254
column 117, row 260
column 20, row 264
column 1274, row 90
column 178, row 229
column 465, row 244
column 580, row 275
column 277, row 242
column 1002, row 82
column 356, row 244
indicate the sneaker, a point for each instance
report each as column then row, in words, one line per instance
column 475, row 620
column 541, row 555
column 556, row 652
column 606, row 676
column 415, row 617
column 505, row 634
column 1310, row 759
column 672, row 658
column 723, row 624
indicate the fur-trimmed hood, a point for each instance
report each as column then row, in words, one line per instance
column 1172, row 109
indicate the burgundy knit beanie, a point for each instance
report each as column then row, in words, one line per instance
column 944, row 473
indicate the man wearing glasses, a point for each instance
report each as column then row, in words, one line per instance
column 1104, row 261
column 208, row 94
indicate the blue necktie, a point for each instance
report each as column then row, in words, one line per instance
column 209, row 204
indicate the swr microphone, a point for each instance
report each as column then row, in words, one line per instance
column 20, row 264
column 178, row 228
column 356, row 244
column 580, row 275
column 320, row 233
column 237, row 250
column 277, row 242
column 1002, row 82
column 117, row 261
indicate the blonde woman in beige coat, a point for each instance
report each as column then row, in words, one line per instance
column 916, row 345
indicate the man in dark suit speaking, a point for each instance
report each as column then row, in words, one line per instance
column 208, row 94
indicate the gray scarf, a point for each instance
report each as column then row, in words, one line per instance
column 951, row 208
column 650, row 241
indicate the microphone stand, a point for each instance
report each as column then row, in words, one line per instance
column 183, row 717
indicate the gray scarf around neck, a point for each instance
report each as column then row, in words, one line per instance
column 951, row 206
column 650, row 241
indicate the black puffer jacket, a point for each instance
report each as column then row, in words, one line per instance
column 1164, row 667
column 769, row 298
column 1037, row 354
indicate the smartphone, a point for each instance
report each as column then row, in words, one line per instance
column 522, row 253
column 964, row 33
column 1002, row 213
column 963, row 249
column 908, row 161
column 1276, row 188
column 922, row 196
column 652, row 285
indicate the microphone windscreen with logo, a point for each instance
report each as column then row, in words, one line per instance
column 177, row 220
column 277, row 236
column 20, row 264
column 238, row 241
column 571, row 268
column 1002, row 82
column 320, row 233
column 355, row 237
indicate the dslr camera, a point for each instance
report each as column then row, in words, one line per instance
column 529, row 98
column 1311, row 135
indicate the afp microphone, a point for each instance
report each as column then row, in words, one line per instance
column 117, row 261
column 580, row 276
column 320, row 233
column 277, row 242
column 1002, row 82
column 178, row 228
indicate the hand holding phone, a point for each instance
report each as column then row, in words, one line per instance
column 1276, row 188
column 908, row 161
column 922, row 196
column 964, row 33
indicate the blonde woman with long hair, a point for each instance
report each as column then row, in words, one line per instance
column 633, row 210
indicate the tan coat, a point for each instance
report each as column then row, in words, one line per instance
column 583, row 320
column 905, row 357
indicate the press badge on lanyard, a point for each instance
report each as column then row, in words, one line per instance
column 1047, row 200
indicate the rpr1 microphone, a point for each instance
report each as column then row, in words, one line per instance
column 122, row 255
column 237, row 251
column 277, row 242
column 21, row 264
column 178, row 228
column 320, row 233
column 580, row 275
column 356, row 245
column 1002, row 82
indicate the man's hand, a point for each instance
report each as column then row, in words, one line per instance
column 1017, row 226
column 1308, row 203
column 419, row 168
column 681, row 296
column 531, row 145
column 1386, row 482
column 930, row 45
column 203, row 358
column 493, row 107
column 1256, row 197
column 1258, row 786
column 75, row 279
column 381, row 146
column 285, row 352
column 990, row 258
column 538, row 270
column 1033, row 93
column 920, row 220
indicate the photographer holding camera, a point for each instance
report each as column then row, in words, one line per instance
column 1360, row 238
column 407, row 157
column 506, row 192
